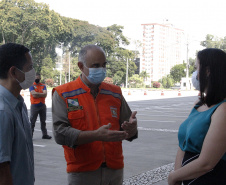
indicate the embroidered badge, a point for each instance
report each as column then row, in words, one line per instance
column 72, row 102
column 73, row 105
column 114, row 112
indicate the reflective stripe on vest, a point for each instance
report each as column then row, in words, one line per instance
column 107, row 92
column 73, row 93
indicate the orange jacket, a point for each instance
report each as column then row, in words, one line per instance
column 86, row 113
column 38, row 88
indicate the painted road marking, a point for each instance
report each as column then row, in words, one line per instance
column 39, row 145
column 158, row 130
column 40, row 130
column 157, row 120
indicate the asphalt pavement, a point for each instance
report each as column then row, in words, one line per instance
column 148, row 159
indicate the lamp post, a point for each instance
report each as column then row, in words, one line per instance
column 187, row 69
column 61, row 64
column 126, row 72
column 69, row 70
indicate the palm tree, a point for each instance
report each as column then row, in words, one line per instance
column 144, row 75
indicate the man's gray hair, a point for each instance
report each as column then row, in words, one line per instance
column 83, row 52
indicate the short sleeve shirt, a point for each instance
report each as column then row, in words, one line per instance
column 16, row 144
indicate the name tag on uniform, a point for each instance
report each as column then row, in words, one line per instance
column 69, row 109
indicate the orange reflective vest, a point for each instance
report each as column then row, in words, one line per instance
column 38, row 88
column 86, row 113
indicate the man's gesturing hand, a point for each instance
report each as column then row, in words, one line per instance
column 131, row 126
column 104, row 134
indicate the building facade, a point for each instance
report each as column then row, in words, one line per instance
column 163, row 46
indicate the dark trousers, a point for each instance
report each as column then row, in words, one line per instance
column 41, row 111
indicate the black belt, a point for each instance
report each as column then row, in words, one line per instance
column 103, row 165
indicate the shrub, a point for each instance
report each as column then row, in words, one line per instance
column 49, row 82
column 156, row 85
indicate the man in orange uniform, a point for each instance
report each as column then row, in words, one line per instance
column 38, row 94
column 90, row 120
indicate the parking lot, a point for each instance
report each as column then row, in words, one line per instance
column 148, row 159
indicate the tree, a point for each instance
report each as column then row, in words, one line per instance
column 42, row 30
column 167, row 81
column 116, row 30
column 135, row 81
column 144, row 75
column 177, row 72
column 214, row 42
column 191, row 66
column 117, row 64
column 211, row 42
column 47, row 69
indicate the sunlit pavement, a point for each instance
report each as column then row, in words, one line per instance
column 148, row 159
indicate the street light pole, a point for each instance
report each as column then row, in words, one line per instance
column 126, row 72
column 69, row 72
column 187, row 68
column 61, row 64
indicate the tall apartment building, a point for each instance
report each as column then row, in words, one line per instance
column 163, row 46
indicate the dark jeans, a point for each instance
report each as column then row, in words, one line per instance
column 41, row 111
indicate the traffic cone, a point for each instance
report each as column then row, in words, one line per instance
column 129, row 93
column 145, row 93
column 179, row 93
column 162, row 93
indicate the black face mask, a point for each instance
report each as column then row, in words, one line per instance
column 37, row 81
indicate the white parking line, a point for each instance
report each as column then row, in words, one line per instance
column 39, row 145
column 40, row 130
column 158, row 130
column 156, row 121
column 171, row 116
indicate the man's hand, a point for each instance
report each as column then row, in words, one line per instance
column 104, row 134
column 131, row 126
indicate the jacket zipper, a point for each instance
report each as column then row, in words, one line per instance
column 104, row 157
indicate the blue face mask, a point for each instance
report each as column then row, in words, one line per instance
column 96, row 75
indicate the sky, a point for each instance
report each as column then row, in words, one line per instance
column 196, row 17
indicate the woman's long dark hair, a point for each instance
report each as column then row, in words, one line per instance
column 212, row 75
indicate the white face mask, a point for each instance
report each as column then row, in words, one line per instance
column 195, row 81
column 29, row 79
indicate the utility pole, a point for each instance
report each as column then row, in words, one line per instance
column 69, row 72
column 187, row 68
column 61, row 63
column 126, row 72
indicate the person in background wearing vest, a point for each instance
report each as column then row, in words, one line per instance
column 38, row 94
column 16, row 146
column 90, row 120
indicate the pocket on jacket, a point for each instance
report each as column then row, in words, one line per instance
column 77, row 119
